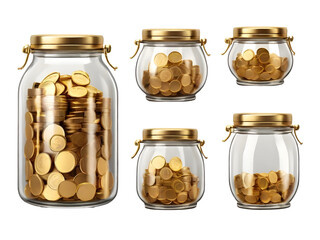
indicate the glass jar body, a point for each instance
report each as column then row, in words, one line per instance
column 171, row 71
column 155, row 190
column 82, row 169
column 263, row 167
column 260, row 67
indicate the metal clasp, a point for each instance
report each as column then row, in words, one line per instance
column 289, row 40
column 137, row 143
column 201, row 143
column 229, row 129
column 295, row 129
column 137, row 43
column 229, row 42
column 27, row 50
column 106, row 50
column 203, row 43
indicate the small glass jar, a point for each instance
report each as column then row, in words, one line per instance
column 170, row 168
column 68, row 103
column 263, row 160
column 172, row 65
column 260, row 56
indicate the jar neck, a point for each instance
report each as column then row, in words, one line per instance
column 263, row 130
column 66, row 54
column 171, row 44
column 171, row 143
column 260, row 40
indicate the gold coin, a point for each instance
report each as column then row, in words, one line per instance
column 164, row 87
column 54, row 179
column 52, row 77
column 106, row 121
column 103, row 194
column 51, row 130
column 188, row 89
column 249, row 74
column 42, row 163
column 102, row 166
column 262, row 50
column 265, row 76
column 257, row 69
column 176, row 72
column 270, row 68
column 88, row 165
column 174, row 57
column 248, row 55
column 165, row 75
column 162, row 193
column 175, row 86
column 67, row 189
column 158, row 162
column 171, row 194
column 263, row 183
column 182, row 197
column 50, row 194
column 145, row 78
column 273, row 177
column 81, row 72
column 265, row 197
column 264, row 57
column 178, row 185
column 276, row 75
column 166, row 173
column 29, row 132
column 67, row 83
column 28, row 169
column 248, row 180
column 151, row 169
column 155, row 82
column 160, row 60
column 284, row 65
column 185, row 80
column 152, row 91
column 60, row 88
column 86, row 191
column 79, row 139
column 251, row 199
column 166, row 93
column 175, row 164
column 57, row 143
column 93, row 90
column 275, row 198
column 153, row 191
column 49, row 88
column 193, row 193
column 77, row 92
column 29, row 118
column 27, row 192
column 276, row 62
column 80, row 79
column 64, row 77
column 107, row 181
column 150, row 179
column 82, row 177
column 36, row 185
column 65, row 161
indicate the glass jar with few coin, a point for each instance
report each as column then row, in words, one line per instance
column 263, row 160
column 67, row 152
column 171, row 65
column 170, row 168
column 261, row 56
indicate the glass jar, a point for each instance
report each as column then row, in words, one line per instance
column 67, row 152
column 172, row 65
column 263, row 160
column 260, row 56
column 170, row 168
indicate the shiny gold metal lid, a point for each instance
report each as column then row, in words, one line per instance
column 171, row 35
column 170, row 134
column 260, row 32
column 262, row 120
column 66, row 42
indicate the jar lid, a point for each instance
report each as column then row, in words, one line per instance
column 170, row 35
column 66, row 42
column 260, row 32
column 170, row 134
column 262, row 120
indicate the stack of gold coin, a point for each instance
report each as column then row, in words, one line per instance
column 68, row 140
column 170, row 76
column 264, row 188
column 169, row 183
column 260, row 66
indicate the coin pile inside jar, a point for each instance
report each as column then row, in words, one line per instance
column 260, row 65
column 68, row 140
column 169, row 183
column 264, row 188
column 170, row 76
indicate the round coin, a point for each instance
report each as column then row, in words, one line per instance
column 165, row 75
column 80, row 79
column 166, row 173
column 248, row 55
column 175, row 164
column 57, row 143
column 36, row 185
column 49, row 88
column 175, row 57
column 52, row 77
column 77, row 92
column 52, row 129
column 50, row 194
column 42, row 163
column 65, row 161
column 86, row 191
column 54, row 179
column 158, row 162
column 175, row 86
column 102, row 166
column 67, row 189
column 160, row 60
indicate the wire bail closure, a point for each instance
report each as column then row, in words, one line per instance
column 289, row 40
column 203, row 43
column 138, row 144
column 137, row 43
column 106, row 50
column 229, row 42
column 27, row 50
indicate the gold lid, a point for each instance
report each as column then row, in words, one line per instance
column 170, row 134
column 170, row 35
column 66, row 42
column 262, row 120
column 260, row 32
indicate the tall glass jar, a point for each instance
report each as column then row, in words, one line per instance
column 172, row 65
column 68, row 104
column 260, row 56
column 170, row 168
column 263, row 160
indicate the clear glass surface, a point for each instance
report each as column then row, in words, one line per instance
column 259, row 151
column 101, row 78
column 190, row 156
column 278, row 50
column 196, row 69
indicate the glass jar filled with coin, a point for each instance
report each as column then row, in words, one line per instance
column 263, row 160
column 170, row 168
column 67, row 123
column 171, row 65
column 260, row 55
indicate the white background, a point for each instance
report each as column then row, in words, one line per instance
column 121, row 22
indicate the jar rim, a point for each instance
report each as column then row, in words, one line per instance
column 170, row 134
column 170, row 35
column 260, row 32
